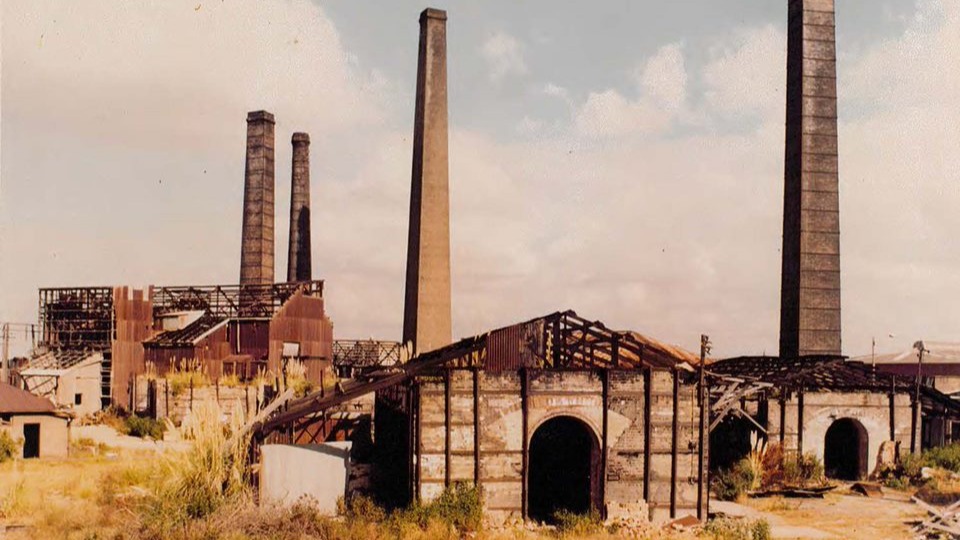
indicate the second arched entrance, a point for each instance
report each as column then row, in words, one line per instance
column 845, row 450
column 564, row 461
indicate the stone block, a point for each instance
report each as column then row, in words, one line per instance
column 819, row 243
column 819, row 221
column 819, row 320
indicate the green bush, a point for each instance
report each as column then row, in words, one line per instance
column 9, row 447
column 803, row 470
column 944, row 457
column 737, row 529
column 136, row 426
column 459, row 507
column 730, row 484
column 360, row 508
column 577, row 525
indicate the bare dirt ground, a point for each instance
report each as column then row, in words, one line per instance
column 838, row 515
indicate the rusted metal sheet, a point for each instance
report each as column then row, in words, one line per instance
column 514, row 347
column 503, row 349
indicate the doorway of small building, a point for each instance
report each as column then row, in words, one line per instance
column 564, row 461
column 845, row 450
column 31, row 441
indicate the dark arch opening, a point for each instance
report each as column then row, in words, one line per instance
column 729, row 442
column 845, row 450
column 564, row 469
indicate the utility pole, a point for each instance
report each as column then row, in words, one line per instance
column 5, row 358
column 916, row 398
column 702, row 398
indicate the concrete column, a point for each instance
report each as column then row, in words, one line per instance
column 299, row 264
column 256, row 250
column 810, row 288
column 426, row 317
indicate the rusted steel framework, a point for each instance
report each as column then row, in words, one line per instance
column 231, row 301
column 77, row 317
column 561, row 340
column 352, row 357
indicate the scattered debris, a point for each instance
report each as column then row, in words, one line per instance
column 795, row 492
column 941, row 520
column 868, row 489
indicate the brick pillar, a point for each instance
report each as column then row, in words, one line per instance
column 256, row 250
column 426, row 316
column 810, row 289
column 299, row 267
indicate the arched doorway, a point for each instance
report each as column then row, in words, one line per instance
column 564, row 469
column 845, row 450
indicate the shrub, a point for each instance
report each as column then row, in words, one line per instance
column 804, row 470
column 944, row 457
column 737, row 529
column 143, row 427
column 730, row 484
column 459, row 507
column 911, row 465
column 9, row 447
column 577, row 525
column 360, row 508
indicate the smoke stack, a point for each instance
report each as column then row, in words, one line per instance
column 256, row 251
column 426, row 316
column 810, row 288
column 298, row 256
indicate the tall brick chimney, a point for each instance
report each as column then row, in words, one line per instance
column 426, row 316
column 299, row 264
column 810, row 288
column 256, row 250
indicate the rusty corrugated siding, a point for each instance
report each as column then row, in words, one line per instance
column 503, row 349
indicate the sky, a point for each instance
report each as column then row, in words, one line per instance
column 622, row 159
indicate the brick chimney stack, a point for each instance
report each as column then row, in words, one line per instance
column 256, row 250
column 299, row 264
column 426, row 318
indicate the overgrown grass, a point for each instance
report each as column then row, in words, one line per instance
column 196, row 483
column 459, row 508
column 737, row 529
column 184, row 374
column 9, row 447
column 572, row 524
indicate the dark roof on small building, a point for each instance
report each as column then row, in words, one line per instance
column 828, row 373
column 13, row 400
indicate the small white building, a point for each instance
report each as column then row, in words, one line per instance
column 42, row 430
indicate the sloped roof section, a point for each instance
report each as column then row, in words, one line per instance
column 189, row 334
column 16, row 401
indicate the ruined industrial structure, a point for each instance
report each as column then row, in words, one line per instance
column 555, row 413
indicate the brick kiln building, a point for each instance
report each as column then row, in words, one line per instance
column 554, row 413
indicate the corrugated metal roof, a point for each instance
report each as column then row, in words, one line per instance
column 14, row 400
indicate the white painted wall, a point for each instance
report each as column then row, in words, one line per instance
column 317, row 471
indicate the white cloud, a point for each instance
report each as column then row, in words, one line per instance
column 664, row 78
column 504, row 56
column 661, row 98
column 747, row 75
